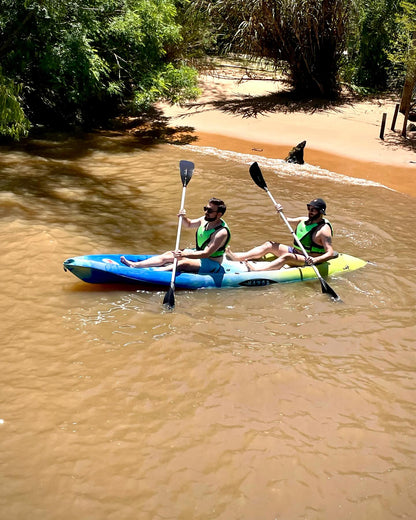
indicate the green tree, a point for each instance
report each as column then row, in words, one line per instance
column 403, row 53
column 13, row 122
column 198, row 33
column 308, row 36
column 372, row 29
column 403, row 46
column 84, row 61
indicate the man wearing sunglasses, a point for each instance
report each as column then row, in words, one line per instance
column 212, row 237
column 314, row 232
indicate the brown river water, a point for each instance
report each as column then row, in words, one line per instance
column 252, row 403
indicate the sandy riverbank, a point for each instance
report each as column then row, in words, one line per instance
column 254, row 116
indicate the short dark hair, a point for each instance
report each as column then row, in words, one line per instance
column 222, row 208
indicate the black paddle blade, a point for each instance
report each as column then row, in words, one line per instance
column 257, row 176
column 327, row 289
column 169, row 299
column 186, row 168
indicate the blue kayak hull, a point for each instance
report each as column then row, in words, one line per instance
column 105, row 269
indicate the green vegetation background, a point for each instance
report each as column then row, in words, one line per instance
column 84, row 62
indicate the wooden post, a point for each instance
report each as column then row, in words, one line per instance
column 393, row 123
column 383, row 125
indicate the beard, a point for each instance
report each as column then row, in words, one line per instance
column 314, row 218
column 210, row 219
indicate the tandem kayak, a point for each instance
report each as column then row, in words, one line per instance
column 104, row 269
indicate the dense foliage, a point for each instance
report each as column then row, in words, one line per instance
column 13, row 122
column 307, row 36
column 318, row 43
column 374, row 32
column 83, row 61
column 402, row 51
column 377, row 25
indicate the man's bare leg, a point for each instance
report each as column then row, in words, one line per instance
column 186, row 265
column 155, row 261
column 290, row 259
column 258, row 251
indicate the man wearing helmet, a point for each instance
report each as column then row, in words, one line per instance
column 314, row 232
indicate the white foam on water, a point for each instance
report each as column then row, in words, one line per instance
column 283, row 168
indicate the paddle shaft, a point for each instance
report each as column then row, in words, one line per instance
column 186, row 169
column 178, row 237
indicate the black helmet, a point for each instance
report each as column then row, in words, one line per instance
column 318, row 204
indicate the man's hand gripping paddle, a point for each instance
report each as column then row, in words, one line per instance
column 257, row 177
column 186, row 169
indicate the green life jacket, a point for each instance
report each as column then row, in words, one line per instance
column 306, row 233
column 203, row 236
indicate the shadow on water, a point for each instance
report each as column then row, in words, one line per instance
column 57, row 192
column 67, row 178
column 82, row 287
column 128, row 135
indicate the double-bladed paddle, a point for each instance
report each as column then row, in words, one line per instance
column 186, row 169
column 257, row 177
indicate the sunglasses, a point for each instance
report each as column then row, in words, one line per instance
column 209, row 210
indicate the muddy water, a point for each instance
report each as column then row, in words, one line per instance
column 269, row 402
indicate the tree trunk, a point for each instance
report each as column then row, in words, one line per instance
column 409, row 85
column 409, row 81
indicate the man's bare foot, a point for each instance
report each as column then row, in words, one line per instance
column 129, row 263
column 235, row 257
column 250, row 266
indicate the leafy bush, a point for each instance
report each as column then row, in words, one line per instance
column 13, row 122
column 84, row 61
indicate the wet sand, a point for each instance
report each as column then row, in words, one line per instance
column 252, row 117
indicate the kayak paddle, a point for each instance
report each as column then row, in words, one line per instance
column 257, row 177
column 186, row 169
